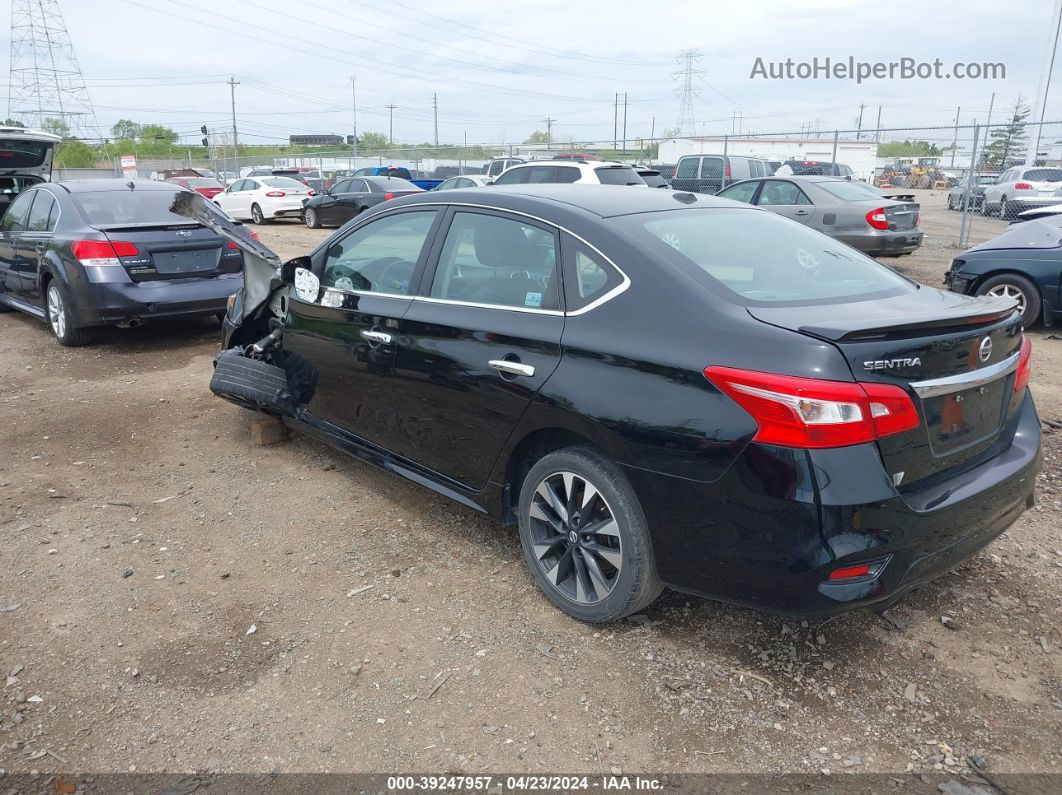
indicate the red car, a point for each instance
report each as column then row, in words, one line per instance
column 207, row 186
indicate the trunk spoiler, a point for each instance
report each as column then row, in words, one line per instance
column 901, row 197
column 261, row 266
column 877, row 324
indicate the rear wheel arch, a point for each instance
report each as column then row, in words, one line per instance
column 525, row 453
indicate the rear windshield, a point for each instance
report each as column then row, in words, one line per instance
column 986, row 179
column 21, row 154
column 618, row 175
column 282, row 182
column 810, row 168
column 653, row 180
column 385, row 184
column 1044, row 174
column 851, row 191
column 122, row 207
column 762, row 259
column 203, row 183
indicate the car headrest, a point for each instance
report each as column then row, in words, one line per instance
column 499, row 243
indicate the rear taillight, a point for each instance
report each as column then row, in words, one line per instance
column 850, row 572
column 810, row 413
column 102, row 252
column 1022, row 186
column 233, row 245
column 1021, row 375
column 254, row 235
column 726, row 171
column 917, row 216
column 876, row 218
column 388, row 196
column 276, row 193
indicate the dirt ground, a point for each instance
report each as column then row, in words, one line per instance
column 175, row 598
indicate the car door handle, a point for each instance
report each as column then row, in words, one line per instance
column 801, row 212
column 377, row 336
column 511, row 368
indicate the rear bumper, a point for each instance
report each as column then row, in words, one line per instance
column 885, row 242
column 118, row 303
column 769, row 532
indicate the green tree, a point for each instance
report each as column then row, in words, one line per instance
column 56, row 127
column 537, row 137
column 1008, row 140
column 73, row 153
column 158, row 133
column 13, row 123
column 909, row 148
column 126, row 130
column 372, row 141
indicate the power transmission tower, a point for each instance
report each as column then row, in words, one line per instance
column 687, row 75
column 45, row 80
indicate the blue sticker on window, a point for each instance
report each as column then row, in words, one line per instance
column 533, row 299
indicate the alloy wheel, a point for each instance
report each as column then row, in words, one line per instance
column 575, row 537
column 1009, row 291
column 310, row 218
column 256, row 214
column 56, row 311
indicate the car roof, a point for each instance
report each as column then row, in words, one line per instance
column 115, row 184
column 807, row 178
column 601, row 200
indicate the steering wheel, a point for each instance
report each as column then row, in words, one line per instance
column 397, row 275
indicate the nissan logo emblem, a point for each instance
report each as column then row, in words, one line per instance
column 984, row 352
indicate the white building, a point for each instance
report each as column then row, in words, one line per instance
column 857, row 154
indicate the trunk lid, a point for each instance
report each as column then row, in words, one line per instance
column 173, row 251
column 954, row 355
column 902, row 216
column 26, row 152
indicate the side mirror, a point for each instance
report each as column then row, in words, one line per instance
column 288, row 269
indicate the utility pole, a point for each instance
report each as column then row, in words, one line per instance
column 859, row 124
column 624, row 121
column 549, row 131
column 435, row 111
column 955, row 140
column 233, row 82
column 615, row 121
column 1045, row 84
column 988, row 124
column 354, row 105
column 391, row 123
column 877, row 131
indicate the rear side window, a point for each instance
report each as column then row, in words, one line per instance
column 537, row 174
column 487, row 259
column 1044, row 174
column 15, row 217
column 617, row 175
column 763, row 259
column 587, row 275
column 567, row 174
column 41, row 211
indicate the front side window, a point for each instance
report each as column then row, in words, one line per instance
column 514, row 176
column 488, row 259
column 381, row 256
column 16, row 215
column 776, row 192
column 764, row 259
column 42, row 208
column 741, row 192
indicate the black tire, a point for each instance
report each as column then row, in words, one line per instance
column 272, row 388
column 310, row 218
column 257, row 216
column 634, row 585
column 1005, row 212
column 951, row 204
column 1008, row 282
column 58, row 317
column 985, row 211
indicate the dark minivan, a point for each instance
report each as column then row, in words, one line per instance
column 104, row 252
column 657, row 388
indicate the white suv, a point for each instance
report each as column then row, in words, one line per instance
column 592, row 172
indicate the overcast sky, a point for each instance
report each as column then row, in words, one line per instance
column 500, row 68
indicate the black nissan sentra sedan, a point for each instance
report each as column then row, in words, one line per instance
column 658, row 389
column 108, row 252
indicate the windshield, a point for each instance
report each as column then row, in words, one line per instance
column 386, row 184
column 762, row 259
column 851, row 191
column 1044, row 174
column 123, row 207
column 618, row 175
column 283, row 182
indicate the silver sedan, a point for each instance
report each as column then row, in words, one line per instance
column 852, row 212
column 464, row 181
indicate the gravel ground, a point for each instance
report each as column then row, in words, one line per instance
column 175, row 598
